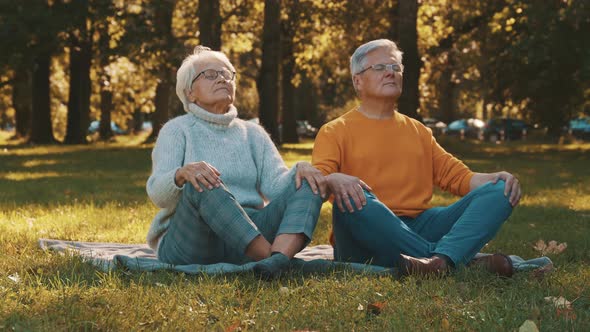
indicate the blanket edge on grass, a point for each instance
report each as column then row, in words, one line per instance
column 139, row 257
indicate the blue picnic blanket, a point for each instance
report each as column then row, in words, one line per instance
column 139, row 257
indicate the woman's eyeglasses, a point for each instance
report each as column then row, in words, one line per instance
column 212, row 74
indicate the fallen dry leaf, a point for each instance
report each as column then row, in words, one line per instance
column 446, row 326
column 233, row 327
column 567, row 313
column 553, row 247
column 14, row 277
column 528, row 326
column 559, row 302
column 375, row 308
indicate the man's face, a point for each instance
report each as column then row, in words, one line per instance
column 385, row 84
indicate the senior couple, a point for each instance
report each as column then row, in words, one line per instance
column 226, row 195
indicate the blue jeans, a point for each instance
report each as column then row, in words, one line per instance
column 377, row 236
column 211, row 227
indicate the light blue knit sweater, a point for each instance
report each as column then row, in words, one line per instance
column 249, row 163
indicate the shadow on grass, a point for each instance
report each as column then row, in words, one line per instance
column 67, row 177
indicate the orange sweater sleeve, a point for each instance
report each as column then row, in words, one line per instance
column 450, row 174
column 326, row 155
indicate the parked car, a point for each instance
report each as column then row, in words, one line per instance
column 580, row 127
column 304, row 129
column 465, row 128
column 95, row 125
column 504, row 129
column 437, row 127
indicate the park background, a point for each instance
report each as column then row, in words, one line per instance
column 66, row 64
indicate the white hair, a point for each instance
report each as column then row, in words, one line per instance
column 358, row 60
column 188, row 71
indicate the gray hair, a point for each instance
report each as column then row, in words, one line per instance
column 358, row 60
column 188, row 70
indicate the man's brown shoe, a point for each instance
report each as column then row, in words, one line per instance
column 497, row 263
column 422, row 266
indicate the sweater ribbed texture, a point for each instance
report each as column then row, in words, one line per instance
column 244, row 154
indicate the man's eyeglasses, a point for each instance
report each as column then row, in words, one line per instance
column 212, row 74
column 381, row 67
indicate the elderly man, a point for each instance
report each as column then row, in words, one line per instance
column 381, row 167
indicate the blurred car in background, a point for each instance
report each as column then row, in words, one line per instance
column 466, row 128
column 95, row 125
column 437, row 127
column 304, row 129
column 580, row 128
column 504, row 129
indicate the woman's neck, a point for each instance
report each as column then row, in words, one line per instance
column 218, row 108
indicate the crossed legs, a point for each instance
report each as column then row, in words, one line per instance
column 211, row 227
column 457, row 232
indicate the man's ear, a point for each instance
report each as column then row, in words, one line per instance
column 357, row 83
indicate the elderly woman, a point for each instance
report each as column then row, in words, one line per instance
column 213, row 173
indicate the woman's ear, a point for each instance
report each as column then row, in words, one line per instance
column 189, row 95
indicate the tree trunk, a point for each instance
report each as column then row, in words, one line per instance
column 409, row 102
column 21, row 100
column 447, row 88
column 268, row 79
column 106, row 94
column 162, row 100
column 138, row 119
column 306, row 102
column 85, row 86
column 41, row 130
column 106, row 106
column 287, row 71
column 73, row 133
column 163, row 19
column 210, row 24
column 79, row 93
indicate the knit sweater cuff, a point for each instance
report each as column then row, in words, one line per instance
column 163, row 191
column 174, row 180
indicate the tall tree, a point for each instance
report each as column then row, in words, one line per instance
column 41, row 130
column 288, row 110
column 21, row 99
column 166, row 45
column 409, row 101
column 210, row 24
column 268, row 79
column 80, row 62
column 106, row 93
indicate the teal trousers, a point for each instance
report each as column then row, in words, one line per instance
column 375, row 235
column 212, row 227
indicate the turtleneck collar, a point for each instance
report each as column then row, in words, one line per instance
column 217, row 119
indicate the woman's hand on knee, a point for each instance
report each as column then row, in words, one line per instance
column 315, row 178
column 198, row 173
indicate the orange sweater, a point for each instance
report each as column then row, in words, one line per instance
column 399, row 158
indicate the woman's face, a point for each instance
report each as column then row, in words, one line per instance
column 214, row 86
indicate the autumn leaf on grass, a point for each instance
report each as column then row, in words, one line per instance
column 553, row 247
column 563, row 307
column 234, row 327
column 375, row 308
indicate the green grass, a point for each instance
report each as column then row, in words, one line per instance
column 97, row 193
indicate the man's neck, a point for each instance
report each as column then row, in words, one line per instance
column 377, row 110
